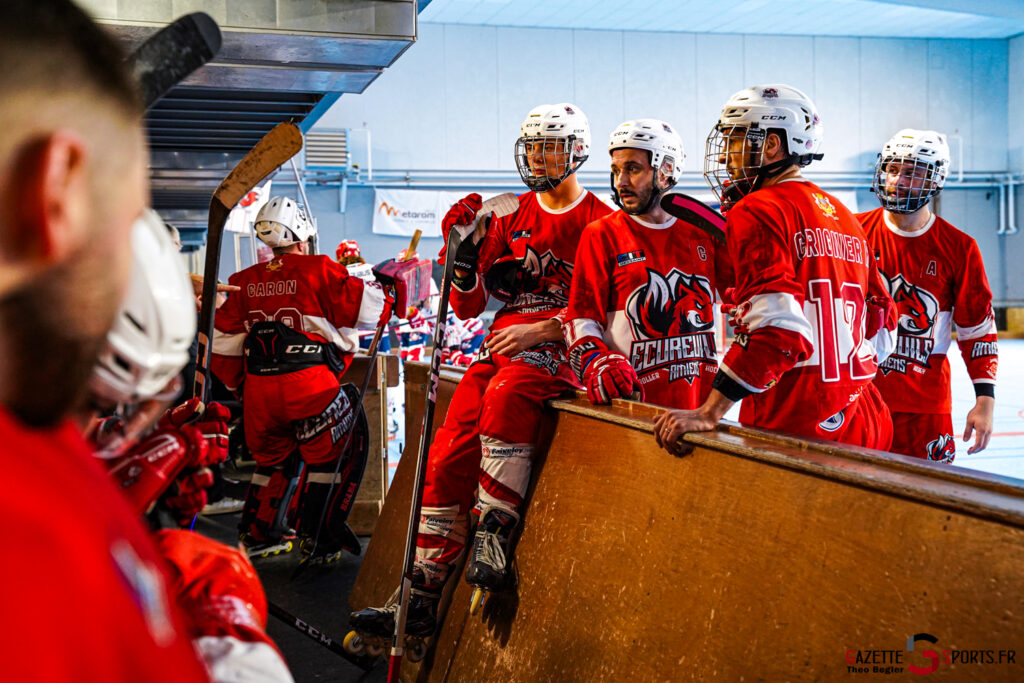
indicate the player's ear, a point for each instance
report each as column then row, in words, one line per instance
column 774, row 148
column 50, row 201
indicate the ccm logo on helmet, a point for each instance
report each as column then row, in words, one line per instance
column 302, row 348
column 773, row 117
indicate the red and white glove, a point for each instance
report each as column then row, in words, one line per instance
column 609, row 375
column 877, row 311
column 461, row 212
column 224, row 605
column 188, row 495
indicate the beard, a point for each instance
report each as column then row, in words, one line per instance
column 51, row 332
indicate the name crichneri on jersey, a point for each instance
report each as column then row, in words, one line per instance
column 272, row 288
column 909, row 349
column 651, row 354
column 831, row 243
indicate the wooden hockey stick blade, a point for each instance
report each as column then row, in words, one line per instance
column 498, row 205
column 413, row 243
column 695, row 212
column 276, row 147
column 172, row 53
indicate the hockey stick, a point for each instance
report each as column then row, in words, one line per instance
column 501, row 205
column 695, row 212
column 172, row 53
column 276, row 147
column 364, row 662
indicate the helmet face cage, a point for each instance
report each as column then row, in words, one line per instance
column 904, row 184
column 553, row 160
column 733, row 159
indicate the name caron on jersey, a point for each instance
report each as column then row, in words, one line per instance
column 275, row 288
column 648, row 354
column 831, row 243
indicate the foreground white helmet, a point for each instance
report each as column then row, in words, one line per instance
column 753, row 113
column 911, row 170
column 148, row 344
column 665, row 148
column 281, row 223
column 550, row 130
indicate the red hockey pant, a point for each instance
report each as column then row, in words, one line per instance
column 924, row 435
column 484, row 448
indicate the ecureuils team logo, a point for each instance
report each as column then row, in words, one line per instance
column 942, row 449
column 917, row 308
column 548, row 280
column 672, row 317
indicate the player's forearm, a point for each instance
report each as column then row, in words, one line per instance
column 716, row 405
column 547, row 331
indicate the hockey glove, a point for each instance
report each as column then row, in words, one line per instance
column 611, row 376
column 224, row 606
column 462, row 212
column 605, row 373
column 188, row 494
column 877, row 311
column 507, row 278
column 466, row 261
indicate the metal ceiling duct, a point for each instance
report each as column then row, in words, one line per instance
column 280, row 61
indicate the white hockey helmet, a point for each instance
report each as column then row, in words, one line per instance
column 559, row 129
column 911, row 169
column 282, row 223
column 149, row 342
column 662, row 143
column 753, row 113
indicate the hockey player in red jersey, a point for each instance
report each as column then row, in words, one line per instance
column 480, row 458
column 93, row 596
column 812, row 311
column 641, row 306
column 937, row 279
column 295, row 318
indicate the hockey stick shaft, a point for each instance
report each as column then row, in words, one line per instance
column 172, row 53
column 318, row 636
column 430, row 402
column 695, row 212
column 276, row 147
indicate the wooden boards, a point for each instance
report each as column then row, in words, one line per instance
column 757, row 557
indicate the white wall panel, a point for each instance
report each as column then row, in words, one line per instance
column 893, row 89
column 950, row 94
column 988, row 148
column 535, row 66
column 471, row 97
column 1015, row 104
column 598, row 80
column 662, row 84
column 719, row 75
column 836, row 76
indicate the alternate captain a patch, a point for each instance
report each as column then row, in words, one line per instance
column 630, row 257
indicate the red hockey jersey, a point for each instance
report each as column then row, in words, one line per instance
column 311, row 294
column 649, row 292
column 937, row 279
column 803, row 272
column 90, row 600
column 545, row 240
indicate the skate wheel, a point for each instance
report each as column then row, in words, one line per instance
column 374, row 650
column 477, row 601
column 352, row 643
column 417, row 651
